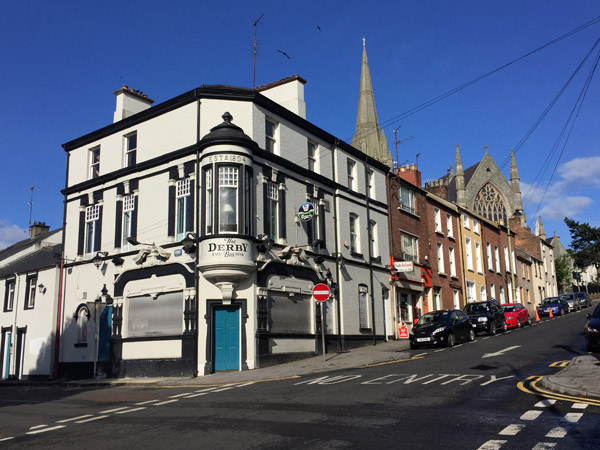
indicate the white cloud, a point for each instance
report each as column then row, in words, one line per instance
column 581, row 170
column 560, row 207
column 9, row 234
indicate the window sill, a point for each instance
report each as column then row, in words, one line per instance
column 412, row 213
column 81, row 344
column 357, row 255
column 442, row 274
column 451, row 237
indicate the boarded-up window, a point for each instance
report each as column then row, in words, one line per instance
column 363, row 307
column 162, row 316
column 290, row 314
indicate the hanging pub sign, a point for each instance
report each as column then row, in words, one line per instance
column 306, row 211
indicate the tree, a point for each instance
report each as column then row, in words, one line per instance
column 585, row 244
column 562, row 265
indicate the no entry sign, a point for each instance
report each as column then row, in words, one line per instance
column 321, row 292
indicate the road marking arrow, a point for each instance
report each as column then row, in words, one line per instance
column 501, row 352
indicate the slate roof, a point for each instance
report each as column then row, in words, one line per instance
column 40, row 259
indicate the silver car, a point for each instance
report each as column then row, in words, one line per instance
column 572, row 300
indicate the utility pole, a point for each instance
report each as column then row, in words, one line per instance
column 254, row 50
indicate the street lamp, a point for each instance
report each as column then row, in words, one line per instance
column 189, row 242
column 99, row 259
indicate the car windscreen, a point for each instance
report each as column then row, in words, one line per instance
column 476, row 308
column 567, row 297
column 550, row 301
column 434, row 317
column 508, row 308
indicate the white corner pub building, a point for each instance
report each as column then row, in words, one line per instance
column 196, row 229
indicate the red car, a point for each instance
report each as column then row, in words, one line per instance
column 516, row 315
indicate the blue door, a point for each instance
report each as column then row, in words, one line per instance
column 227, row 337
column 6, row 343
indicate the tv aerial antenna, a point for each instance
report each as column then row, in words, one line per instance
column 254, row 51
column 30, row 203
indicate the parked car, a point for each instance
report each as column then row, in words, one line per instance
column 444, row 327
column 556, row 304
column 486, row 316
column 572, row 300
column 592, row 330
column 584, row 300
column 516, row 315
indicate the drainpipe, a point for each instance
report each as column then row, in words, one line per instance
column 462, row 257
column 370, row 255
column 393, row 294
column 14, row 341
column 59, row 317
column 510, row 259
column 337, row 266
column 197, row 239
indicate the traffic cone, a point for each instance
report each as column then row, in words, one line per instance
column 537, row 316
column 550, row 312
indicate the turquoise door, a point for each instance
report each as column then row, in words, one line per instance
column 6, row 341
column 227, row 337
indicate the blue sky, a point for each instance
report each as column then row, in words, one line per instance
column 62, row 61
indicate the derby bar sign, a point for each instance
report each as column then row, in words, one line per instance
column 228, row 248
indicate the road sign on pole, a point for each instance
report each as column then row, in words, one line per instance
column 321, row 292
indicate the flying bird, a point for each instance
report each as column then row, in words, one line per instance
column 284, row 54
column 318, row 28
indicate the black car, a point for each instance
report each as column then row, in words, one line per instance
column 584, row 299
column 592, row 330
column 444, row 327
column 486, row 316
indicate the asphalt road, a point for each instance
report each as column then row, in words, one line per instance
column 472, row 396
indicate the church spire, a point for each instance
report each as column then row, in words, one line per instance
column 541, row 232
column 515, row 183
column 369, row 138
column 460, row 180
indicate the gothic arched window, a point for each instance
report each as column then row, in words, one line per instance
column 488, row 203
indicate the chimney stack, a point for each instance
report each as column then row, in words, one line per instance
column 130, row 102
column 38, row 228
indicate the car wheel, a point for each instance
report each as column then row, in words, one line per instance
column 450, row 341
column 519, row 324
column 492, row 330
column 504, row 327
column 412, row 346
column 528, row 320
column 471, row 335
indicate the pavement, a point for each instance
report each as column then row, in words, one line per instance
column 579, row 378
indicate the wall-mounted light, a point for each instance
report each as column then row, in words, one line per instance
column 99, row 259
column 42, row 288
column 105, row 297
column 189, row 243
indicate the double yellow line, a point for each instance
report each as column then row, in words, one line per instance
column 530, row 386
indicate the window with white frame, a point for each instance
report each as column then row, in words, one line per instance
column 370, row 185
column 476, row 226
column 127, row 221
column 490, row 263
column 506, row 260
column 469, row 253
column 440, row 258
column 130, row 149
column 471, row 294
column 183, row 208
column 9, row 295
column 466, row 222
column 478, row 257
column 364, row 310
column 406, row 197
column 449, row 228
column 313, row 157
column 208, row 200
column 497, row 258
column 94, row 163
column 351, row 167
column 452, row 262
column 410, row 247
column 514, row 264
column 493, row 290
column 437, row 298
column 270, row 135
column 502, row 296
column 456, row 299
column 437, row 220
column 510, row 292
column 272, row 219
column 92, row 222
column 482, row 294
column 373, row 238
column 354, row 234
column 228, row 199
column 30, row 292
